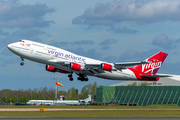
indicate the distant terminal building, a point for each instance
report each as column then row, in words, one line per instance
column 164, row 91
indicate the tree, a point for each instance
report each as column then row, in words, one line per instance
column 74, row 94
column 14, row 99
column 84, row 93
column 48, row 98
column 93, row 93
column 133, row 84
column 88, row 89
column 4, row 98
column 144, row 84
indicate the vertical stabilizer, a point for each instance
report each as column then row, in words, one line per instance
column 151, row 68
column 154, row 64
column 88, row 99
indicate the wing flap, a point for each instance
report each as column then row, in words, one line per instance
column 92, row 66
column 62, row 63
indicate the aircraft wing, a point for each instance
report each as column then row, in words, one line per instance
column 126, row 64
column 155, row 76
column 93, row 69
column 96, row 67
column 92, row 66
column 117, row 65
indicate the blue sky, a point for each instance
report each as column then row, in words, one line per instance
column 108, row 30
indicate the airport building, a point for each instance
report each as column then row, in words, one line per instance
column 166, row 81
column 164, row 91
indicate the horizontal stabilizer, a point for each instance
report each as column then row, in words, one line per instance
column 126, row 64
column 154, row 76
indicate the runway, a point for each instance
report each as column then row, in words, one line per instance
column 62, row 109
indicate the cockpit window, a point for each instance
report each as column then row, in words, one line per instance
column 21, row 40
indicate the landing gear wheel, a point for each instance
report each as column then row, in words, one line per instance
column 22, row 63
column 71, row 79
column 70, row 75
column 82, row 79
column 86, row 79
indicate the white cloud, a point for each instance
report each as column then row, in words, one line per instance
column 123, row 30
column 16, row 15
column 164, row 42
column 106, row 43
column 141, row 12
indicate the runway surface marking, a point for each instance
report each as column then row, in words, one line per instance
column 61, row 109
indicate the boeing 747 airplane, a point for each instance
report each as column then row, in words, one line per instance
column 59, row 60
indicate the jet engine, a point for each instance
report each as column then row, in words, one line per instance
column 106, row 67
column 75, row 66
column 51, row 68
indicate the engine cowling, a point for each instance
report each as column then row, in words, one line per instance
column 106, row 67
column 51, row 68
column 75, row 66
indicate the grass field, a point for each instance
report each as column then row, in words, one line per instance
column 151, row 111
column 92, row 107
column 107, row 113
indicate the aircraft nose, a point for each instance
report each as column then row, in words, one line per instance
column 9, row 46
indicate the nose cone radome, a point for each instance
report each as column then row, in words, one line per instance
column 9, row 46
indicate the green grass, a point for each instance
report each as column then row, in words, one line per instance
column 168, row 105
column 106, row 113
column 166, row 111
column 94, row 107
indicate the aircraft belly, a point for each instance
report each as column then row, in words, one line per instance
column 117, row 75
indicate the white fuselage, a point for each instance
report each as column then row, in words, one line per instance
column 49, row 55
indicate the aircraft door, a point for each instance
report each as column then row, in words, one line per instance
column 52, row 56
column 31, row 50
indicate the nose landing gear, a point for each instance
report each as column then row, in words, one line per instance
column 22, row 63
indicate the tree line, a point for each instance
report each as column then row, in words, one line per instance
column 136, row 84
column 7, row 95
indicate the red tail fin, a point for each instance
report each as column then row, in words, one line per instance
column 154, row 64
column 150, row 68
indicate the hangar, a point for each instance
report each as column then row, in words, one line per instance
column 164, row 91
column 166, row 81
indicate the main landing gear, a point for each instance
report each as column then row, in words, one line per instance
column 70, row 77
column 82, row 78
column 22, row 63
